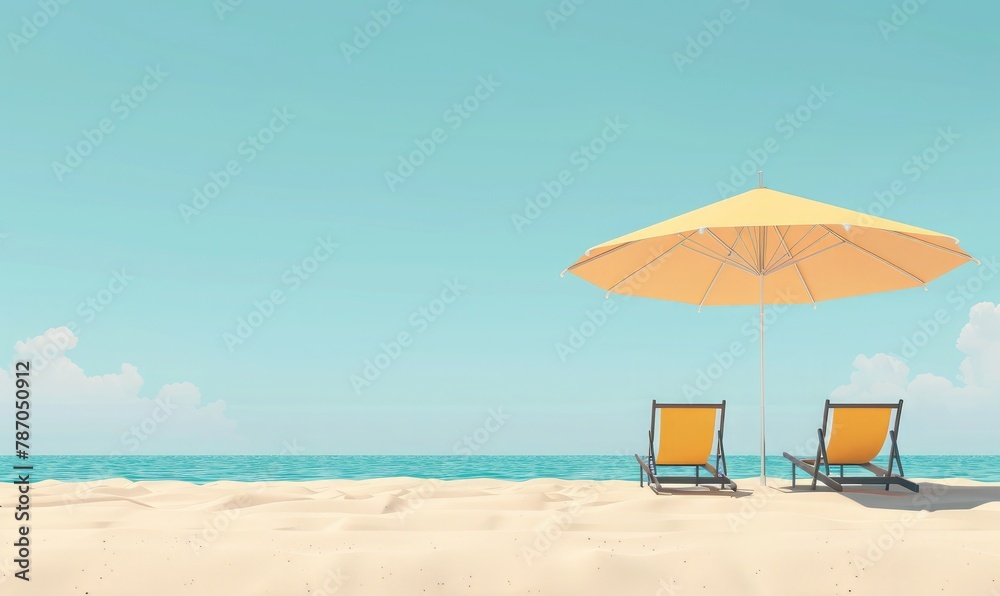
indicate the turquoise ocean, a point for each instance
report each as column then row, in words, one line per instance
column 251, row 468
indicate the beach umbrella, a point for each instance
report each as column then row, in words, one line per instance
column 767, row 247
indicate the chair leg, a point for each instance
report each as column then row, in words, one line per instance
column 820, row 451
column 893, row 457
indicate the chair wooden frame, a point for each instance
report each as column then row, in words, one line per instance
column 649, row 466
column 881, row 475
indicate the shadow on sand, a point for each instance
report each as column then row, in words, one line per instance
column 933, row 496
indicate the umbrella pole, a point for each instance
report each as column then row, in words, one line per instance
column 763, row 465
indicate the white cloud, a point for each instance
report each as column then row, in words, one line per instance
column 879, row 378
column 180, row 393
column 980, row 342
column 73, row 412
column 941, row 416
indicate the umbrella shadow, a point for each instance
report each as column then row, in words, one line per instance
column 933, row 496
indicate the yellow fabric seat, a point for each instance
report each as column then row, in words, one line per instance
column 854, row 437
column 857, row 435
column 686, row 436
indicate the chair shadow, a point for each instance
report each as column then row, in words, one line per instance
column 933, row 496
column 701, row 491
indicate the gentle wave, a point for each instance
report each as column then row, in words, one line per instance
column 249, row 468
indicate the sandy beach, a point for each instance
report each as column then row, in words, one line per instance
column 413, row 536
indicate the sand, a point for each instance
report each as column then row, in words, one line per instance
column 412, row 536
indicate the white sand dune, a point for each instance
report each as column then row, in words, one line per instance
column 413, row 536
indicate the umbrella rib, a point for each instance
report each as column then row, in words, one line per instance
column 717, row 272
column 804, row 236
column 744, row 242
column 603, row 254
column 878, row 258
column 810, row 245
column 710, row 286
column 770, row 260
column 932, row 245
column 665, row 253
column 762, row 231
column 715, row 256
column 730, row 249
column 784, row 245
column 793, row 262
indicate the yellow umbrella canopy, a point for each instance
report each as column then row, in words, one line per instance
column 768, row 247
column 804, row 250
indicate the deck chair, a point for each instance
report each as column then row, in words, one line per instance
column 687, row 432
column 855, row 439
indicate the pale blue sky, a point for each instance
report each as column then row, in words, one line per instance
column 545, row 88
